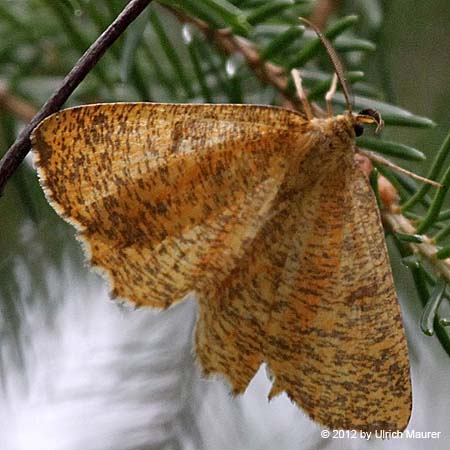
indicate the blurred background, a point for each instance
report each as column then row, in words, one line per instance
column 79, row 371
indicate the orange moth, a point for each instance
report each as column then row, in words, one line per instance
column 265, row 215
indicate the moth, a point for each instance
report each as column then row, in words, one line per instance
column 264, row 214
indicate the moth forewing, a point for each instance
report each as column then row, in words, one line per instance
column 160, row 221
column 345, row 350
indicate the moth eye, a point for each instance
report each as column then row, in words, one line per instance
column 359, row 129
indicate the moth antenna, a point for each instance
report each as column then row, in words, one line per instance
column 329, row 95
column 338, row 67
column 302, row 94
column 385, row 162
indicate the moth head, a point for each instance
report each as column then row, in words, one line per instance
column 367, row 116
column 356, row 120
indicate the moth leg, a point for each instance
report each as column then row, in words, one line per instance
column 329, row 95
column 302, row 94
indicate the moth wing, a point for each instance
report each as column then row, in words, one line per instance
column 164, row 196
column 337, row 345
column 313, row 297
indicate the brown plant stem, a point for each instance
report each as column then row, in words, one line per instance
column 229, row 44
column 17, row 152
column 427, row 250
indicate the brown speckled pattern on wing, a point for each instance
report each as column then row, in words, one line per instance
column 347, row 365
column 162, row 194
column 265, row 216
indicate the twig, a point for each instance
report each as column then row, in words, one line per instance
column 228, row 43
column 17, row 152
column 379, row 159
column 396, row 222
column 400, row 224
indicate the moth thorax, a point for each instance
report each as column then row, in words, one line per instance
column 336, row 135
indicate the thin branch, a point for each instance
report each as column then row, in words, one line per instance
column 228, row 43
column 17, row 152
column 379, row 159
column 394, row 221
column 400, row 224
column 268, row 72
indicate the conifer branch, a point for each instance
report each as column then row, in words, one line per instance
column 17, row 152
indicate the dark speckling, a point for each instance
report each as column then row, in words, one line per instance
column 262, row 213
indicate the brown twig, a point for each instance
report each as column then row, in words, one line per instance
column 268, row 72
column 427, row 249
column 229, row 44
column 17, row 152
column 395, row 222
column 380, row 159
